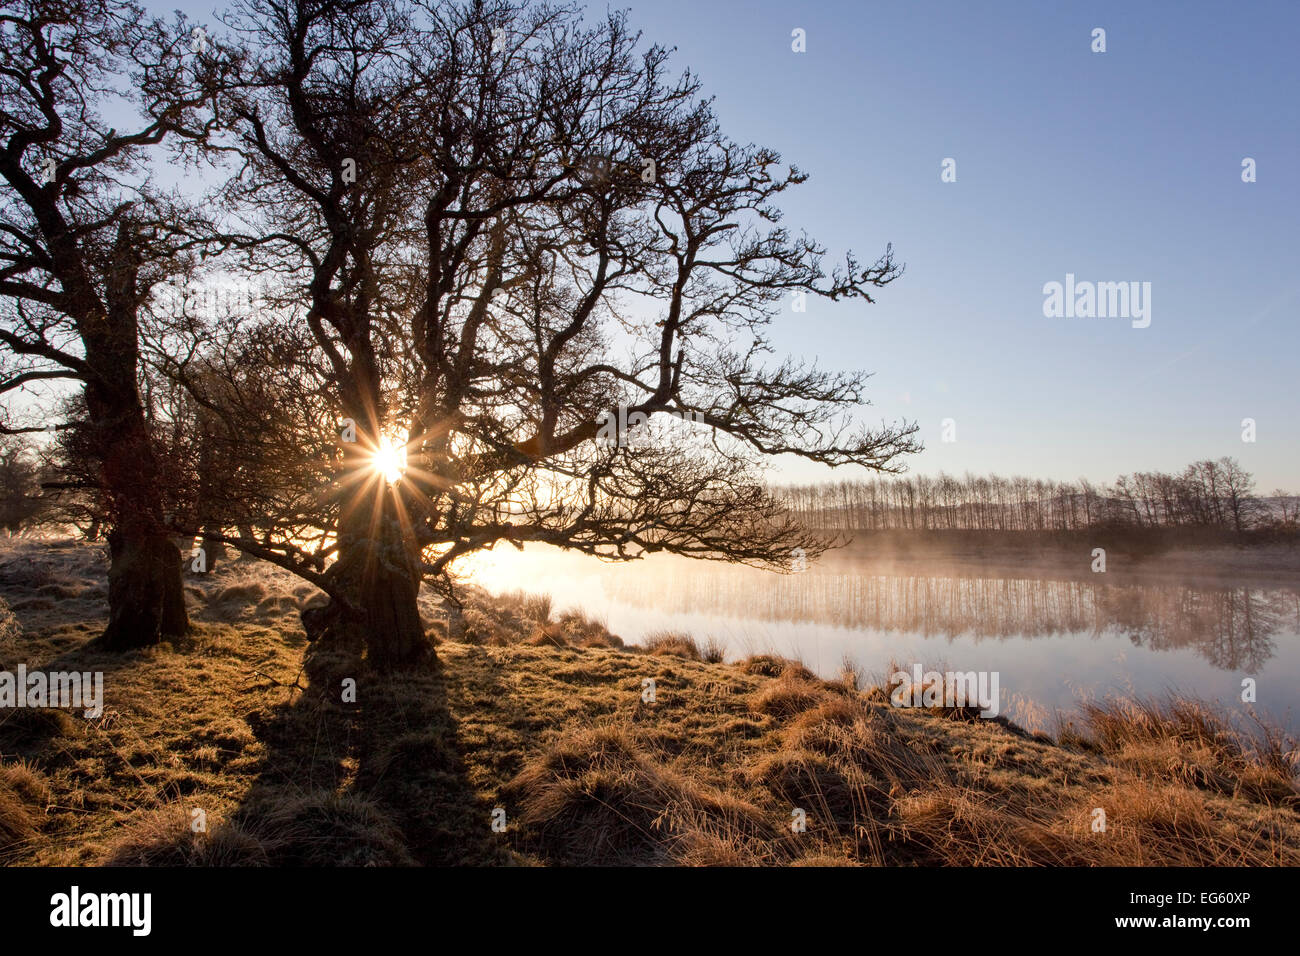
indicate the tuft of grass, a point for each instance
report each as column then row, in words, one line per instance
column 1186, row 741
column 597, row 798
column 24, row 795
column 579, row 627
column 549, row 635
column 947, row 690
column 788, row 695
column 28, row 730
column 534, row 608
column 769, row 665
column 672, row 644
column 316, row 829
column 602, row 640
column 164, row 836
column 249, row 593
column 324, row 828
column 475, row 627
column 538, row 607
column 17, row 821
column 713, row 651
column 26, row 781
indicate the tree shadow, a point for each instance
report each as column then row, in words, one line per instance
column 365, row 768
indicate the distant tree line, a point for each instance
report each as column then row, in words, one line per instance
column 1206, row 494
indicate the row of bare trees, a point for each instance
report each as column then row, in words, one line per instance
column 474, row 229
column 1207, row 494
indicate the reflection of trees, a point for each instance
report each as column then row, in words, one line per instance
column 1231, row 627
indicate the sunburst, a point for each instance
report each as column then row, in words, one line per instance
column 389, row 459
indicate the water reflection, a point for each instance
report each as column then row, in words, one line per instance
column 1233, row 628
column 1052, row 639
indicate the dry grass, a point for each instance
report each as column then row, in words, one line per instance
column 712, row 651
column 787, row 695
column 534, row 607
column 165, row 836
column 1186, row 741
column 536, row 714
column 24, row 796
column 596, row 797
column 519, row 617
column 672, row 644
column 768, row 665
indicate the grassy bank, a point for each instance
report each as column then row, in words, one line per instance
column 544, row 718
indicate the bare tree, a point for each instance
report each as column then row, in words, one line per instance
column 83, row 239
column 1288, row 508
column 1236, row 485
column 1217, row 494
column 21, row 500
column 516, row 235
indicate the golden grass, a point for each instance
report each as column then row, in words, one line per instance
column 672, row 644
column 536, row 715
column 1186, row 741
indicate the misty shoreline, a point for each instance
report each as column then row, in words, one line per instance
column 1000, row 554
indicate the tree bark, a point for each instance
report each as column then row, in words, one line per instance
column 208, row 515
column 379, row 571
column 146, row 598
column 214, row 551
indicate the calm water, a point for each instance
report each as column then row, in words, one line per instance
column 1051, row 640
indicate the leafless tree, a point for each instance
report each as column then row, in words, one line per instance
column 83, row 239
column 1210, row 494
column 21, row 499
column 543, row 227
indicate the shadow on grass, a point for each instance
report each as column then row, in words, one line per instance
column 371, row 778
column 365, row 768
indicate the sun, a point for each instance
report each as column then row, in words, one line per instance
column 389, row 459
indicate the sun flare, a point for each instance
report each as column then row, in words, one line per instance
column 389, row 459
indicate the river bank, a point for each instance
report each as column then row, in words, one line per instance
column 540, row 739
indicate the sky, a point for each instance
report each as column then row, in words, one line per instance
column 1115, row 166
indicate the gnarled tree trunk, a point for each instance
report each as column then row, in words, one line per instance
column 146, row 598
column 379, row 571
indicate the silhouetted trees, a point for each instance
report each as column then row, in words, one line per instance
column 487, row 228
column 1207, row 494
column 22, row 503
column 83, row 239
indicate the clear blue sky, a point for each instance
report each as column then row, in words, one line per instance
column 1115, row 166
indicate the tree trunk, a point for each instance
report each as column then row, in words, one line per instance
column 146, row 598
column 379, row 571
column 213, row 551
column 209, row 516
column 394, row 633
column 146, row 601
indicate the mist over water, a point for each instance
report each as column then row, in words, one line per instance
column 1053, row 639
